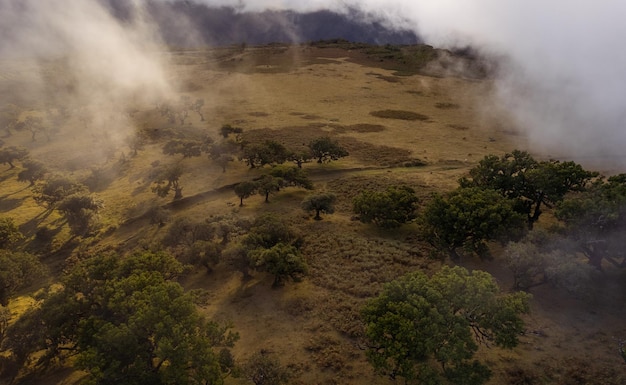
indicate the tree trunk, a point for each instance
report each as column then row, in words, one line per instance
column 317, row 215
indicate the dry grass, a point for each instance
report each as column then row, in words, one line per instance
column 313, row 325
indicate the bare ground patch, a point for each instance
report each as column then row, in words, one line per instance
column 399, row 114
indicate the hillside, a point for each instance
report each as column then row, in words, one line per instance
column 409, row 115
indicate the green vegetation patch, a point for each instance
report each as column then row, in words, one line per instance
column 399, row 114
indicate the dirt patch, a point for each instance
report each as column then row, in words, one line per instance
column 399, row 114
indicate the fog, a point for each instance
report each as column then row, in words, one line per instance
column 561, row 77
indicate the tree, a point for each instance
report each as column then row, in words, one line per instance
column 227, row 129
column 245, row 190
column 426, row 329
column 324, row 202
column 32, row 172
column 387, row 209
column 291, row 176
column 186, row 147
column 52, row 190
column 197, row 107
column 281, row 260
column 467, row 218
column 17, row 270
column 80, row 211
column 9, row 233
column 596, row 219
column 264, row 368
column 8, row 155
column 300, row 156
column 269, row 152
column 267, row 185
column 531, row 184
column 169, row 179
column 128, row 322
column 325, row 149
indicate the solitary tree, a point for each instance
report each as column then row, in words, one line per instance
column 8, row 155
column 428, row 329
column 467, row 218
column 52, row 190
column 9, row 233
column 32, row 172
column 320, row 203
column 169, row 179
column 267, row 185
column 188, row 148
column 80, row 211
column 291, row 176
column 245, row 190
column 389, row 208
column 282, row 260
column 326, row 149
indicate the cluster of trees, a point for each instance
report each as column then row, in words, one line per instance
column 178, row 111
column 276, row 178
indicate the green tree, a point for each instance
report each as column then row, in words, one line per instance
column 8, row 155
column 17, row 271
column 325, row 149
column 267, row 185
column 52, row 190
column 128, row 322
column 245, row 190
column 169, row 179
column 9, row 233
column 291, row 176
column 227, row 129
column 320, row 203
column 467, row 218
column 596, row 219
column 427, row 329
column 531, row 184
column 281, row 260
column 80, row 210
column 268, row 152
column 388, row 209
column 32, row 172
column 188, row 148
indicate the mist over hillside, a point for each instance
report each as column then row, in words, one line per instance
column 185, row 23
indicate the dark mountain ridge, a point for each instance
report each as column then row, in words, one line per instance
column 186, row 23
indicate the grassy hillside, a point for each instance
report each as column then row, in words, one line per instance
column 411, row 116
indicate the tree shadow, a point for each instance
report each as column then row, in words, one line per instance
column 10, row 204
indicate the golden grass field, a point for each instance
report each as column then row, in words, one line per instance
column 292, row 95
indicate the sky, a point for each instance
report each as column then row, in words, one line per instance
column 563, row 77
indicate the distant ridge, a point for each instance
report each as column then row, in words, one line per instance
column 186, row 23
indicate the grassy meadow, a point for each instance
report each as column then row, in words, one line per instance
column 419, row 123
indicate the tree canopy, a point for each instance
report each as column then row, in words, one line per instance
column 320, row 203
column 427, row 329
column 467, row 218
column 127, row 322
column 389, row 208
column 325, row 149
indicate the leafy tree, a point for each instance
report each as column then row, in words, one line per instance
column 197, row 107
column 128, row 322
column 264, row 368
column 52, row 190
column 269, row 230
column 186, row 147
column 281, row 260
column 32, row 172
column 267, row 185
column 418, row 323
column 596, row 219
column 326, row 149
column 169, row 179
column 9, row 233
column 467, row 218
column 388, row 209
column 222, row 153
column 300, row 156
column 8, row 155
column 17, row 270
column 530, row 183
column 269, row 152
column 291, row 176
column 80, row 211
column 227, row 129
column 245, row 190
column 324, row 202
column 35, row 124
